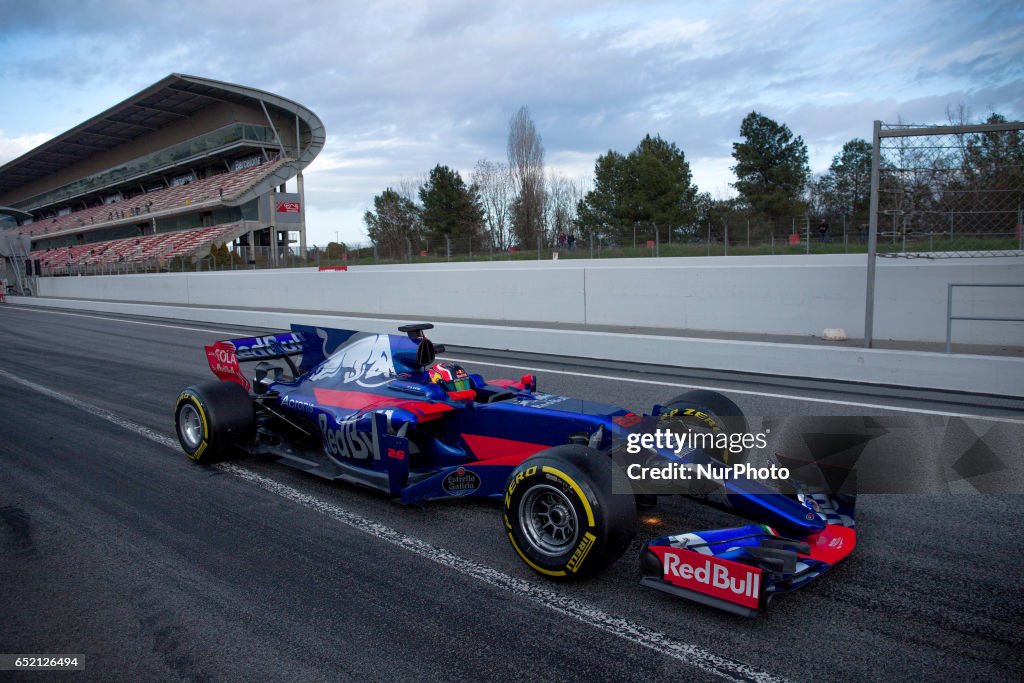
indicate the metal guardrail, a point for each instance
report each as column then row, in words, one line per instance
column 949, row 309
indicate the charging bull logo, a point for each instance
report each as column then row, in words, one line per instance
column 367, row 362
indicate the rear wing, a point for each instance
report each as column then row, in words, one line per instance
column 311, row 344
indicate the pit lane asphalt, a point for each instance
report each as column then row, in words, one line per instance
column 155, row 568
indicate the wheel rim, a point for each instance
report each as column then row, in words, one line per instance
column 190, row 426
column 548, row 520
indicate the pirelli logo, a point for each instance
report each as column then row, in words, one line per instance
column 581, row 552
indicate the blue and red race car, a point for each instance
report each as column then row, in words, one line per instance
column 381, row 411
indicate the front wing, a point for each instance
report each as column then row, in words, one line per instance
column 740, row 570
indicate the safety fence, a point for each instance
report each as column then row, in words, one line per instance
column 950, row 191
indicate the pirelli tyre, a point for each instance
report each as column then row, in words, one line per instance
column 709, row 411
column 561, row 515
column 213, row 420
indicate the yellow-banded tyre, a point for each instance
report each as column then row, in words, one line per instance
column 708, row 411
column 214, row 420
column 561, row 515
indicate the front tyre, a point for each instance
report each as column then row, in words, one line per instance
column 214, row 420
column 561, row 515
column 708, row 411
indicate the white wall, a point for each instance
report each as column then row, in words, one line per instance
column 770, row 294
column 999, row 375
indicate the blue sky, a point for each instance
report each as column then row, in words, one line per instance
column 403, row 86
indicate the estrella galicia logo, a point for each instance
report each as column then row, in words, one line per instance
column 460, row 482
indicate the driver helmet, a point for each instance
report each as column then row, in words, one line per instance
column 450, row 375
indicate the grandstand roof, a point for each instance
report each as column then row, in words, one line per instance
column 176, row 96
column 14, row 213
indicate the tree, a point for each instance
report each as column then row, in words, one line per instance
column 771, row 167
column 526, row 162
column 394, row 220
column 563, row 196
column 649, row 187
column 449, row 207
column 336, row 250
column 607, row 209
column 495, row 185
column 845, row 189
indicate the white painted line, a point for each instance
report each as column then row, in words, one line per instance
column 122, row 320
column 677, row 385
column 728, row 390
column 686, row 653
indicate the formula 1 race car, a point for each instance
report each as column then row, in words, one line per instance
column 381, row 411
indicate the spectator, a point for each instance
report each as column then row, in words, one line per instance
column 572, row 241
column 823, row 230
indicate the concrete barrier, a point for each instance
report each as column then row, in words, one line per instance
column 996, row 375
column 794, row 295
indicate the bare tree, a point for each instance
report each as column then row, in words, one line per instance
column 526, row 162
column 563, row 196
column 494, row 182
column 408, row 187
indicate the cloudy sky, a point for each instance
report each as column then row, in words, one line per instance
column 402, row 86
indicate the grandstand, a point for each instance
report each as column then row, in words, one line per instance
column 184, row 165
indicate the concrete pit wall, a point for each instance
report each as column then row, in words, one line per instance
column 775, row 295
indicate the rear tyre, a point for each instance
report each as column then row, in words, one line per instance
column 708, row 410
column 561, row 515
column 214, row 421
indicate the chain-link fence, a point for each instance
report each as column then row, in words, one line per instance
column 951, row 191
column 734, row 237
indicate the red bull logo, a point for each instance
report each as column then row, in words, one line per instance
column 731, row 581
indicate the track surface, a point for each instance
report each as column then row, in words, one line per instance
column 115, row 546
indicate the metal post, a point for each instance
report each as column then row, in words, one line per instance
column 538, row 246
column 846, row 246
column 302, row 206
column 773, row 243
column 725, row 242
column 748, row 233
column 408, row 248
column 591, row 245
column 869, row 302
column 951, row 225
column 657, row 242
column 709, row 238
column 949, row 318
column 471, row 247
column 807, row 232
column 448, row 247
column 634, row 234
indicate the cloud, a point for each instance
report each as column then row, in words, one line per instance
column 659, row 33
column 404, row 86
column 14, row 147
